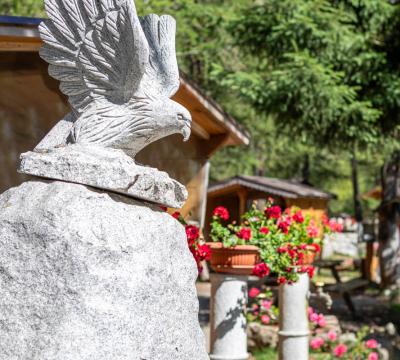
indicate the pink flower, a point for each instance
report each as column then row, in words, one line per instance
column 371, row 344
column 298, row 217
column 264, row 230
column 332, row 335
column 310, row 310
column 261, row 270
column 340, row 350
column 221, row 212
column 373, row 356
column 244, row 233
column 265, row 319
column 266, row 304
column 254, row 292
column 273, row 212
column 335, row 226
column 314, row 318
column 312, row 231
column 316, row 343
column 321, row 320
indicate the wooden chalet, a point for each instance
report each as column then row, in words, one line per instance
column 238, row 193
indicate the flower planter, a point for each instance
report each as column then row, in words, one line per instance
column 309, row 255
column 238, row 260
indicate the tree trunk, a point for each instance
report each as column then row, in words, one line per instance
column 358, row 213
column 306, row 170
column 389, row 219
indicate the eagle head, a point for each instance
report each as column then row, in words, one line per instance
column 171, row 118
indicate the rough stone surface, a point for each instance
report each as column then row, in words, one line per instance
column 87, row 275
column 261, row 336
column 103, row 168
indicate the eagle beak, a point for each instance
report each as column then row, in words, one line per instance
column 187, row 129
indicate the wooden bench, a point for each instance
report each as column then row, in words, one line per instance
column 345, row 288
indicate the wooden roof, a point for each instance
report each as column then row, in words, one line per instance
column 284, row 188
column 210, row 122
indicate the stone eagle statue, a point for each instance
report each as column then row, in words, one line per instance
column 118, row 72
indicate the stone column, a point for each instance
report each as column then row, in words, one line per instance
column 293, row 320
column 228, row 321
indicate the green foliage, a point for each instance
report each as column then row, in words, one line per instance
column 22, row 7
column 319, row 68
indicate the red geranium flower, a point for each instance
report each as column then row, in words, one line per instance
column 282, row 249
column 298, row 217
column 264, row 230
column 273, row 212
column 282, row 280
column 221, row 212
column 284, row 226
column 310, row 270
column 204, row 252
column 244, row 233
column 261, row 270
column 176, row 214
column 192, row 232
column 316, row 247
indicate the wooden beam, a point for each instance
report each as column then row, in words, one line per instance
column 200, row 131
column 242, row 194
column 10, row 43
column 214, row 143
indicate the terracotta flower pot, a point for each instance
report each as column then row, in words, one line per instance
column 309, row 255
column 238, row 260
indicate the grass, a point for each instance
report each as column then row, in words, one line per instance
column 266, row 354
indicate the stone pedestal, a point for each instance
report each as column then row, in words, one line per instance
column 293, row 320
column 228, row 321
column 86, row 274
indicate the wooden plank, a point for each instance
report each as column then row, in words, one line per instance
column 10, row 43
column 348, row 286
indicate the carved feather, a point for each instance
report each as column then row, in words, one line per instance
column 163, row 73
column 102, row 45
column 74, row 14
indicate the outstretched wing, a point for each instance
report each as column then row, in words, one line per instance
column 96, row 48
column 162, row 74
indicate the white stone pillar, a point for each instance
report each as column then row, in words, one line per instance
column 293, row 320
column 228, row 320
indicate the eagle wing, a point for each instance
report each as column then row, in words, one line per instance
column 162, row 74
column 96, row 48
